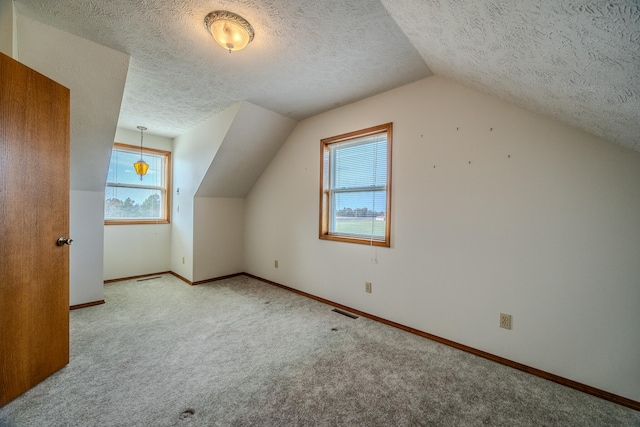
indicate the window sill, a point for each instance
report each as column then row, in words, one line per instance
column 135, row 221
column 356, row 240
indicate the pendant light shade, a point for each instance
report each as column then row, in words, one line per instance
column 141, row 166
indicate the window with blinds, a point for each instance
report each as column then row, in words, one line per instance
column 355, row 197
column 131, row 200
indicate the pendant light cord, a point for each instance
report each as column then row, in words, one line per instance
column 142, row 129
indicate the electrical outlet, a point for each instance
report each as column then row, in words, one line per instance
column 183, row 260
column 505, row 321
column 367, row 287
column 275, row 263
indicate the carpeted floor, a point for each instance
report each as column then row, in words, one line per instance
column 240, row 352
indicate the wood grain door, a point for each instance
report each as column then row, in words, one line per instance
column 34, row 213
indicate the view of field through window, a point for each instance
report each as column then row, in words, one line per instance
column 358, row 186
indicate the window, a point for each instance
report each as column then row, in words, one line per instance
column 129, row 200
column 355, row 197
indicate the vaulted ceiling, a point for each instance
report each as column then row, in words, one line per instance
column 577, row 61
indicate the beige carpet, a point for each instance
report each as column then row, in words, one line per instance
column 242, row 353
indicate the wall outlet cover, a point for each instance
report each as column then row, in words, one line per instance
column 505, row 320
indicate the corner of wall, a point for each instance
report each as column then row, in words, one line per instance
column 193, row 153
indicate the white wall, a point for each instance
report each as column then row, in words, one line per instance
column 542, row 224
column 86, row 253
column 95, row 76
column 7, row 23
column 218, row 241
column 192, row 155
column 137, row 249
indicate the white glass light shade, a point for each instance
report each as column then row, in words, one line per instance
column 230, row 31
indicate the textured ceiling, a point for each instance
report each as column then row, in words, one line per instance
column 308, row 56
column 577, row 61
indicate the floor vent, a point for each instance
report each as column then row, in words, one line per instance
column 344, row 313
column 147, row 278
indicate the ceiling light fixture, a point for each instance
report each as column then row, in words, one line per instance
column 229, row 30
column 141, row 166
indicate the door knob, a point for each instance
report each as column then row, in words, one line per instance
column 64, row 241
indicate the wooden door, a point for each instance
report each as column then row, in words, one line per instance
column 34, row 213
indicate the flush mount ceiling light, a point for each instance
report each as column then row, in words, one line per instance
column 230, row 31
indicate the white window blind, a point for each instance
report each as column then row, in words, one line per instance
column 358, row 187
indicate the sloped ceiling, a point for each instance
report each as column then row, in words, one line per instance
column 577, row 61
column 96, row 76
column 252, row 140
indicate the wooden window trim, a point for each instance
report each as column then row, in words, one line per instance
column 324, row 190
column 167, row 171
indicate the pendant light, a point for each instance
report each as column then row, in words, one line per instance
column 141, row 166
